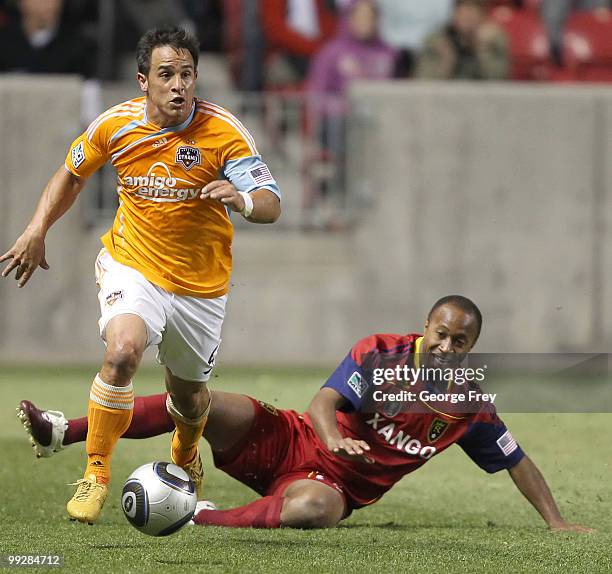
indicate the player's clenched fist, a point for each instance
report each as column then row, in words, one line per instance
column 223, row 191
column 350, row 449
column 26, row 255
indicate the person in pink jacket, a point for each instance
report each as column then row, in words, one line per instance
column 355, row 53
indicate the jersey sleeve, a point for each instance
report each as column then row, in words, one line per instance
column 88, row 153
column 490, row 445
column 350, row 381
column 241, row 163
column 250, row 173
column 352, row 378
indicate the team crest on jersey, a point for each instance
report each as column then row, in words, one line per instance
column 436, row 430
column 392, row 408
column 113, row 297
column 188, row 156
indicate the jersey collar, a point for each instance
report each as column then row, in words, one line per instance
column 178, row 127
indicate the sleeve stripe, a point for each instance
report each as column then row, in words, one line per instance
column 223, row 111
column 118, row 111
column 108, row 113
column 248, row 138
column 123, row 107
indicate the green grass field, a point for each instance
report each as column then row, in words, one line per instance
column 447, row 517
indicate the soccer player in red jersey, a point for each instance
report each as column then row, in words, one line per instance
column 358, row 438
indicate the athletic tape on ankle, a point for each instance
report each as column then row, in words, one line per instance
column 176, row 414
column 110, row 396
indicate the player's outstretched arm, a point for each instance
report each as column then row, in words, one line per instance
column 28, row 252
column 266, row 205
column 322, row 411
column 531, row 483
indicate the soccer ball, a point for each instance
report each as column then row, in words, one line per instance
column 158, row 498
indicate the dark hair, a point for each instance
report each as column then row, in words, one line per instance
column 463, row 303
column 176, row 38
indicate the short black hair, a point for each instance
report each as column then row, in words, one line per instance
column 176, row 38
column 466, row 305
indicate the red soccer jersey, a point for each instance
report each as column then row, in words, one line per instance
column 404, row 433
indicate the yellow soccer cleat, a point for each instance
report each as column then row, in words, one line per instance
column 88, row 500
column 195, row 470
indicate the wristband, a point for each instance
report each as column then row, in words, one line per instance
column 248, row 204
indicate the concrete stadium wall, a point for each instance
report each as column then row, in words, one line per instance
column 499, row 192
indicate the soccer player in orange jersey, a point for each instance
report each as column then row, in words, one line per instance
column 183, row 164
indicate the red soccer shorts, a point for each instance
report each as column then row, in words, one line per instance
column 279, row 449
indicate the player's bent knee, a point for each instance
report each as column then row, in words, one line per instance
column 310, row 511
column 121, row 360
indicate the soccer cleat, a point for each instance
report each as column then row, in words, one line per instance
column 88, row 500
column 202, row 505
column 45, row 429
column 205, row 505
column 195, row 470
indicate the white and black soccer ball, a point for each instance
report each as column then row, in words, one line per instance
column 158, row 498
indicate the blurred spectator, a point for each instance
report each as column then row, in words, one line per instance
column 405, row 24
column 518, row 4
column 469, row 47
column 356, row 52
column 40, row 41
column 555, row 13
column 147, row 14
column 208, row 18
column 294, row 30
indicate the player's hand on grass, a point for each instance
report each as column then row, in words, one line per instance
column 223, row 191
column 25, row 256
column 567, row 527
column 350, row 449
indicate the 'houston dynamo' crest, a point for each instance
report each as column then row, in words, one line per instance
column 188, row 156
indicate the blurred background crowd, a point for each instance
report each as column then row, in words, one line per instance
column 306, row 53
column 322, row 44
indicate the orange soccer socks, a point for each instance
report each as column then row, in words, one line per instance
column 108, row 416
column 187, row 435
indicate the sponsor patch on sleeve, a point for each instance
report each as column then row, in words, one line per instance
column 358, row 385
column 261, row 175
column 78, row 155
column 506, row 443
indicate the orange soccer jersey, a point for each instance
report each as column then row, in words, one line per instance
column 162, row 228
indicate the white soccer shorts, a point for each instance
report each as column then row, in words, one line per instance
column 186, row 330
